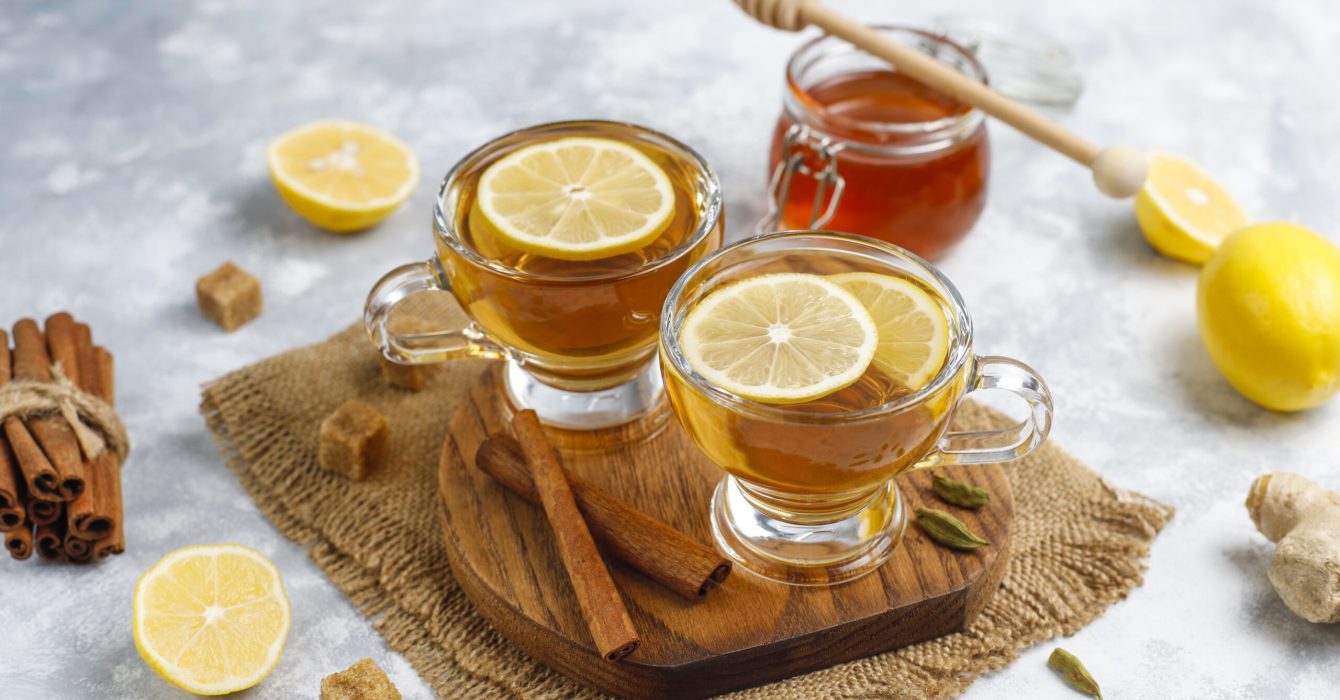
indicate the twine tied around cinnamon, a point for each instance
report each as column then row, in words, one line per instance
column 95, row 424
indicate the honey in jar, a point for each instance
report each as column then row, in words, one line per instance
column 861, row 147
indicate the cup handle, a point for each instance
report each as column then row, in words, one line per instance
column 1004, row 444
column 469, row 341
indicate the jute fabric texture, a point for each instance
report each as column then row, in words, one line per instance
column 1079, row 543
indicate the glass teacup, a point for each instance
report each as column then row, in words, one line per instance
column 810, row 497
column 579, row 336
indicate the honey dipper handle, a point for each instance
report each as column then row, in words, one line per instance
column 1118, row 171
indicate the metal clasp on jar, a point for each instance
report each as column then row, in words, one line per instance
column 798, row 143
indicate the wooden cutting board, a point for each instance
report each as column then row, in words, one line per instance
column 746, row 632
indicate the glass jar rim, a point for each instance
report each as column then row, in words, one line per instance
column 958, row 354
column 827, row 46
column 445, row 229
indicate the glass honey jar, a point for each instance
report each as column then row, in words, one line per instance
column 861, row 147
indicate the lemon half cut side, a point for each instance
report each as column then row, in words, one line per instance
column 211, row 619
column 342, row 176
column 1183, row 212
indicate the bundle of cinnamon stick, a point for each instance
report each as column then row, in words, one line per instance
column 60, row 490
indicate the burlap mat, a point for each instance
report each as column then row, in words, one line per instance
column 1078, row 542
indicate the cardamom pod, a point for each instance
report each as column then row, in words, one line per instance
column 1074, row 673
column 947, row 530
column 959, row 493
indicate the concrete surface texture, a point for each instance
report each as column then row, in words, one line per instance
column 132, row 161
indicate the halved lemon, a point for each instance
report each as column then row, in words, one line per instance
column 211, row 619
column 576, row 198
column 913, row 331
column 342, row 176
column 780, row 338
column 1183, row 212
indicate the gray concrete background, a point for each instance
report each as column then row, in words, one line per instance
column 132, row 140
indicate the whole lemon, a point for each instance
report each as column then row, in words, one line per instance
column 1269, row 310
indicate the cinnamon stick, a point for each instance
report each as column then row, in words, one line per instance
column 39, row 477
column 90, row 515
column 60, row 337
column 659, row 551
column 77, row 549
column 57, row 439
column 86, row 359
column 45, row 512
column 106, row 374
column 36, row 472
column 12, row 512
column 50, row 541
column 604, row 611
column 115, row 542
column 19, row 542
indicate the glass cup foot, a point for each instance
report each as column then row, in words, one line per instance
column 807, row 555
column 585, row 410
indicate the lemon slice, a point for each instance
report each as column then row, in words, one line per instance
column 1184, row 213
column 577, row 198
column 342, row 176
column 211, row 619
column 913, row 331
column 780, row 338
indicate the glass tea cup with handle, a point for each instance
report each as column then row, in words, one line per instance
column 560, row 243
column 765, row 346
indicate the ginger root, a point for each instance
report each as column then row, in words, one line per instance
column 1304, row 519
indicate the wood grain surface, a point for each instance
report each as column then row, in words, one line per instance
column 748, row 632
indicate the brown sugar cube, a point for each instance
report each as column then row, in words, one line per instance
column 411, row 377
column 229, row 296
column 353, row 439
column 362, row 681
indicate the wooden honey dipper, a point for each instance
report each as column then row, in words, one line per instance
column 1118, row 170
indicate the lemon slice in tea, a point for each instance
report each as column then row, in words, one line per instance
column 913, row 330
column 1184, row 213
column 576, row 198
column 211, row 619
column 780, row 338
column 342, row 176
